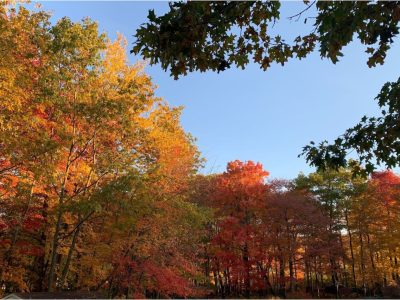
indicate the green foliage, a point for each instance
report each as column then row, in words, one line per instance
column 375, row 139
column 204, row 36
column 216, row 35
column 375, row 24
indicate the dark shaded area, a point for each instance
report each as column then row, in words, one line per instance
column 58, row 295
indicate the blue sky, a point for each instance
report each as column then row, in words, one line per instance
column 251, row 114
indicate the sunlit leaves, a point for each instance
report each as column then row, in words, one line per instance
column 89, row 156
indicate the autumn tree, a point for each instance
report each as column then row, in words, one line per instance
column 85, row 125
column 266, row 238
column 329, row 189
column 239, row 198
column 360, row 214
column 381, row 230
column 298, row 238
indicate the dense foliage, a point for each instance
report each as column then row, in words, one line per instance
column 99, row 189
column 328, row 234
column 94, row 169
column 203, row 36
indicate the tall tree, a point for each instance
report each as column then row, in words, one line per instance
column 86, row 129
column 239, row 198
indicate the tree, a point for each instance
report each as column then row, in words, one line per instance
column 265, row 238
column 335, row 191
column 84, row 136
column 239, row 199
column 385, row 188
column 216, row 35
column 360, row 212
column 23, row 36
column 298, row 235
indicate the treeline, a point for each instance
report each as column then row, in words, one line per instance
column 328, row 234
column 100, row 191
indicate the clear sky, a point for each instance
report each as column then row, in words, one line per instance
column 251, row 114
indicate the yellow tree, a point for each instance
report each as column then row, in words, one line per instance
column 78, row 119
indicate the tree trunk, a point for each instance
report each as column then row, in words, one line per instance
column 39, row 264
column 282, row 286
column 351, row 249
column 291, row 273
column 69, row 257
column 247, row 266
column 362, row 261
column 54, row 247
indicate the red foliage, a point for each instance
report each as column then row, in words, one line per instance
column 387, row 185
column 239, row 195
column 148, row 276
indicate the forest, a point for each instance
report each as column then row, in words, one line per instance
column 101, row 189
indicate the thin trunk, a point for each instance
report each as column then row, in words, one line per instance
column 247, row 266
column 71, row 249
column 69, row 257
column 207, row 265
column 282, row 288
column 39, row 264
column 317, row 285
column 54, row 246
column 221, row 284
column 80, row 220
column 291, row 273
column 371, row 254
column 343, row 276
column 322, row 274
column 306, row 270
column 276, row 278
column 362, row 261
column 351, row 249
column 216, row 282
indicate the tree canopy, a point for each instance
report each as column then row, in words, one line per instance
column 201, row 36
